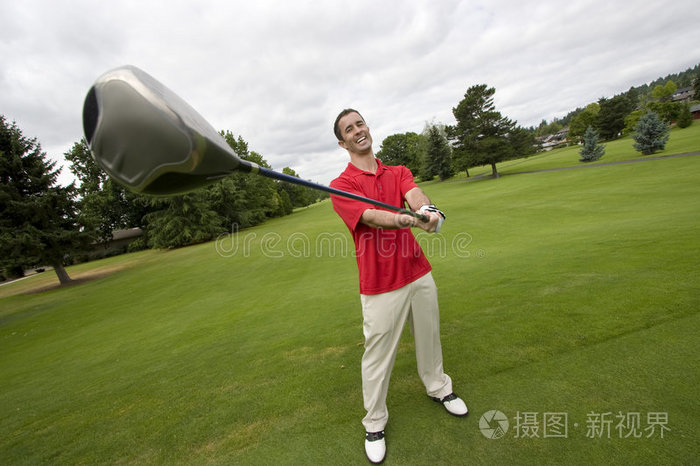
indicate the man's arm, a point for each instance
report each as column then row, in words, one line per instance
column 416, row 199
column 386, row 220
column 393, row 221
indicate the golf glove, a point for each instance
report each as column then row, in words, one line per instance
column 431, row 208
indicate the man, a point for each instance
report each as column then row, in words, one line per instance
column 396, row 283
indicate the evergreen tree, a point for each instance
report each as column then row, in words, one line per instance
column 591, row 150
column 651, row 134
column 438, row 160
column 182, row 220
column 522, row 142
column 685, row 118
column 610, row 120
column 481, row 132
column 38, row 219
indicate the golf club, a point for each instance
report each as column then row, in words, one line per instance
column 150, row 140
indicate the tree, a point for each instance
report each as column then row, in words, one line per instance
column 242, row 200
column 685, row 118
column 182, row 220
column 438, row 159
column 545, row 129
column 663, row 105
column 582, row 120
column 299, row 196
column 522, row 142
column 631, row 121
column 407, row 149
column 105, row 206
column 591, row 150
column 696, row 86
column 651, row 134
column 664, row 93
column 286, row 206
column 611, row 117
column 481, row 132
column 38, row 219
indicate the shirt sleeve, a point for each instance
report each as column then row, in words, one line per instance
column 349, row 210
column 406, row 182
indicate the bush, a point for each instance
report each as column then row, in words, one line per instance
column 139, row 244
column 14, row 271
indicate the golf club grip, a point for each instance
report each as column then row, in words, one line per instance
column 293, row 179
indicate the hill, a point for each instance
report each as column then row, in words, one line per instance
column 568, row 302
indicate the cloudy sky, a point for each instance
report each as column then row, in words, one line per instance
column 278, row 72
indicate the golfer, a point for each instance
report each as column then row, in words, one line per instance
column 396, row 283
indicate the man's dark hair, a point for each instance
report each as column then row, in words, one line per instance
column 336, row 129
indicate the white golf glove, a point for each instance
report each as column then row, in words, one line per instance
column 431, row 208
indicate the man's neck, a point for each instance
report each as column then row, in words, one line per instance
column 365, row 162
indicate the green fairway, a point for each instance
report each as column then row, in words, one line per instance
column 620, row 150
column 568, row 296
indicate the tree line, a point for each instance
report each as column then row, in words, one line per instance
column 42, row 223
column 655, row 96
column 482, row 136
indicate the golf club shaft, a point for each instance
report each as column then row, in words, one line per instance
column 152, row 141
column 266, row 172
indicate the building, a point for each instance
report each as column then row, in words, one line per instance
column 684, row 94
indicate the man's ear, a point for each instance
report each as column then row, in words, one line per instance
column 342, row 144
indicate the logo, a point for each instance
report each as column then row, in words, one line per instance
column 493, row 424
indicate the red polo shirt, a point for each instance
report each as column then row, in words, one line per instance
column 386, row 259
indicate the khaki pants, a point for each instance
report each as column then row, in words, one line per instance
column 384, row 318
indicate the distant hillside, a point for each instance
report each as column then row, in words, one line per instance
column 641, row 93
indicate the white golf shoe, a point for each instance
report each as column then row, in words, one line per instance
column 453, row 404
column 375, row 447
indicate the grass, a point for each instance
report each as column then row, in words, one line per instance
column 565, row 291
column 620, row 150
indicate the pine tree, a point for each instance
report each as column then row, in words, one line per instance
column 439, row 155
column 182, row 220
column 481, row 133
column 591, row 150
column 38, row 219
column 685, row 118
column 651, row 134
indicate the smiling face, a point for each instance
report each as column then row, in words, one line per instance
column 355, row 134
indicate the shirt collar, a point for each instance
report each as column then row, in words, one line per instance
column 353, row 170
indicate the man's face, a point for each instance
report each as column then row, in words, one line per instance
column 355, row 133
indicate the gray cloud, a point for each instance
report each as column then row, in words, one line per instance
column 277, row 72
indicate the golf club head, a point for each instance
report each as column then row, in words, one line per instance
column 149, row 139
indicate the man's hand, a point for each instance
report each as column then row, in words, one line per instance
column 432, row 212
column 432, row 225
